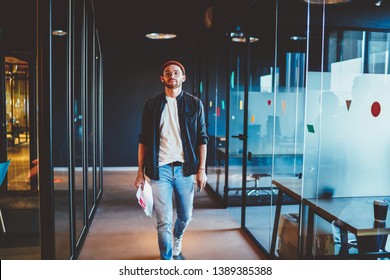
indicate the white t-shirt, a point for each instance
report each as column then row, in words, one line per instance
column 171, row 148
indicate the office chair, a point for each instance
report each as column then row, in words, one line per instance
column 3, row 170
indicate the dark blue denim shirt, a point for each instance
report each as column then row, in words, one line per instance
column 192, row 129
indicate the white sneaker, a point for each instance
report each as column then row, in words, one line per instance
column 176, row 247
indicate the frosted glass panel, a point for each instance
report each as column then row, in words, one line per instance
column 365, row 128
column 352, row 132
column 347, row 119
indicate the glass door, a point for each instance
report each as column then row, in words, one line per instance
column 274, row 120
column 79, row 118
column 212, row 91
column 17, row 122
column 19, row 194
column 60, row 120
column 262, row 129
column 235, row 183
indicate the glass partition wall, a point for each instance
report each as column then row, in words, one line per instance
column 287, row 152
column 275, row 117
column 19, row 193
column 49, row 195
column 306, row 123
column 60, row 139
column 76, row 122
column 345, row 151
column 212, row 91
column 19, row 110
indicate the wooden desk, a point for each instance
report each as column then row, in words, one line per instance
column 349, row 214
column 292, row 188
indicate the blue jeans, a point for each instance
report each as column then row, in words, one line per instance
column 172, row 182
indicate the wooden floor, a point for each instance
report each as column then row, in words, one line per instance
column 19, row 167
column 121, row 230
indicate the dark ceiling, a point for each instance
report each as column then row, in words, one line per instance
column 120, row 21
column 17, row 25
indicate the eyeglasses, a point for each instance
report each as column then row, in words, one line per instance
column 168, row 74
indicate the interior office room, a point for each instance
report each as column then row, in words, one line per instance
column 296, row 96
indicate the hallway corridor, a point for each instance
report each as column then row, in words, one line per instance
column 121, row 230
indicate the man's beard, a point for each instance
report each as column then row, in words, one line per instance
column 172, row 86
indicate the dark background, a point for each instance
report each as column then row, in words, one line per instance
column 132, row 63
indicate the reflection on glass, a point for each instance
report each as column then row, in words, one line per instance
column 344, row 154
column 17, row 125
column 20, row 213
column 213, row 95
column 78, row 120
column 236, row 128
column 275, row 140
column 347, row 120
column 90, row 111
column 378, row 52
column 99, row 116
column 60, row 143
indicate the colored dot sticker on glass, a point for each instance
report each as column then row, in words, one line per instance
column 310, row 128
column 375, row 109
column 253, row 119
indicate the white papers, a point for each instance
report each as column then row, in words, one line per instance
column 145, row 198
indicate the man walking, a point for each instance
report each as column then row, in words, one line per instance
column 172, row 148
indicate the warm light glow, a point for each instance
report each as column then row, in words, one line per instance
column 59, row 32
column 327, row 1
column 239, row 37
column 243, row 39
column 160, row 36
column 208, row 17
column 297, row 38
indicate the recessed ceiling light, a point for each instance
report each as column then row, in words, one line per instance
column 160, row 36
column 298, row 38
column 59, row 32
column 243, row 39
column 208, row 17
column 236, row 34
column 239, row 37
column 327, row 1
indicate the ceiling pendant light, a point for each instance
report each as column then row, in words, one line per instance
column 327, row 1
column 239, row 37
column 378, row 3
column 160, row 36
column 59, row 32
